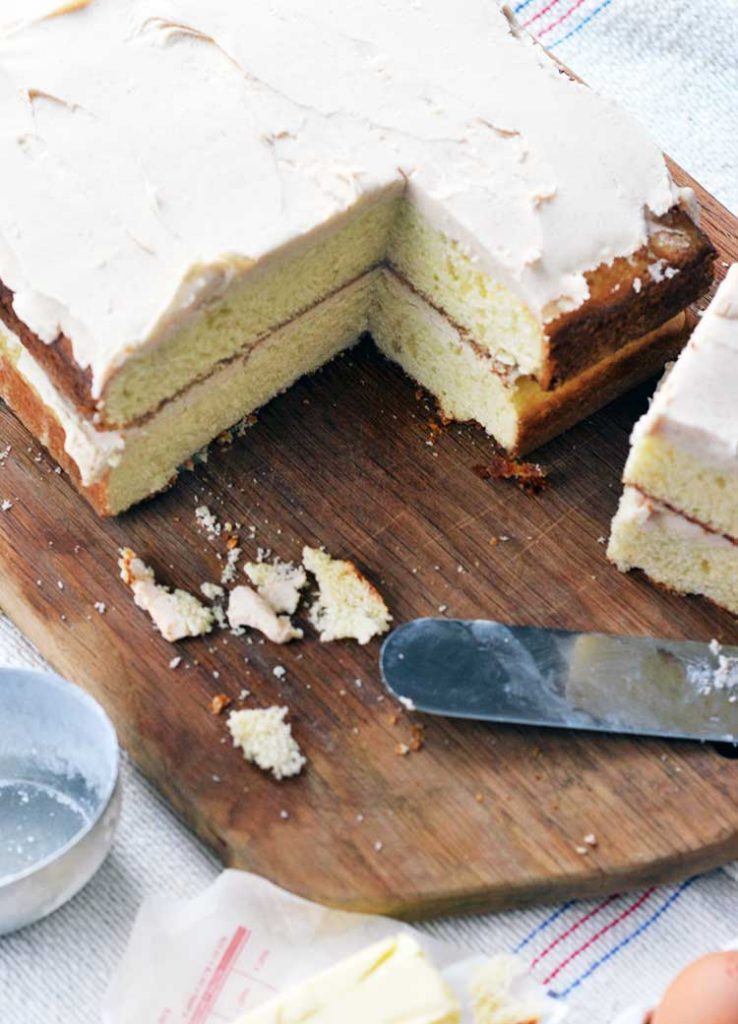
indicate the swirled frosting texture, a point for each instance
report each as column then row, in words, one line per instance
column 152, row 149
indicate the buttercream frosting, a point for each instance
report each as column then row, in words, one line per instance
column 94, row 452
column 175, row 613
column 248, row 609
column 648, row 513
column 695, row 407
column 153, row 150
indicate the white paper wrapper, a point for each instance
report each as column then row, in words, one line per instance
column 243, row 940
column 635, row 1015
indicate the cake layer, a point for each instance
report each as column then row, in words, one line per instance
column 627, row 298
column 245, row 305
column 688, row 481
column 685, row 449
column 193, row 180
column 262, row 299
column 469, row 385
column 674, row 551
column 116, row 469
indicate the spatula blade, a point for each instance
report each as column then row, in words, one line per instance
column 524, row 675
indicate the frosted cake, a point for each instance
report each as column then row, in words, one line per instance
column 203, row 202
column 678, row 516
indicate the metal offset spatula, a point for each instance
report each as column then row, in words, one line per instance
column 550, row 677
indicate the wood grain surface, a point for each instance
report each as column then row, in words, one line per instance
column 482, row 817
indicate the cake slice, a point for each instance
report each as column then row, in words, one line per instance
column 678, row 517
column 208, row 203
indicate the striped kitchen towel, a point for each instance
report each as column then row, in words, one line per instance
column 600, row 956
column 672, row 63
column 557, row 21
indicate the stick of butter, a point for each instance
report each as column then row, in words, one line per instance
column 391, row 982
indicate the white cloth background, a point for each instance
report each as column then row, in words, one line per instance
column 675, row 65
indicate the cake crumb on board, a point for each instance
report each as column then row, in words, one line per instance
column 219, row 703
column 247, row 608
column 175, row 613
column 266, row 740
column 531, row 477
column 279, row 583
column 348, row 605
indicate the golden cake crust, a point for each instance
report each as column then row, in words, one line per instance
column 57, row 359
column 616, row 312
column 598, row 385
column 46, row 428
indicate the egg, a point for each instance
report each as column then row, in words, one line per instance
column 705, row 993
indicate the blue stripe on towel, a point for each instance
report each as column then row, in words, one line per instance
column 543, row 925
column 635, row 934
column 582, row 24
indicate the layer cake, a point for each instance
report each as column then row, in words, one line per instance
column 678, row 516
column 209, row 201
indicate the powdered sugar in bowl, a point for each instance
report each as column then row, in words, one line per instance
column 59, row 793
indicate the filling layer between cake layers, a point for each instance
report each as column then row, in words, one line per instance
column 233, row 307
column 678, row 517
column 116, row 469
column 674, row 551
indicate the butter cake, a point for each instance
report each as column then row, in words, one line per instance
column 678, row 516
column 202, row 202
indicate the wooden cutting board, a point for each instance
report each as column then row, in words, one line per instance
column 482, row 817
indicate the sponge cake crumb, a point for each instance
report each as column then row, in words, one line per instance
column 348, row 606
